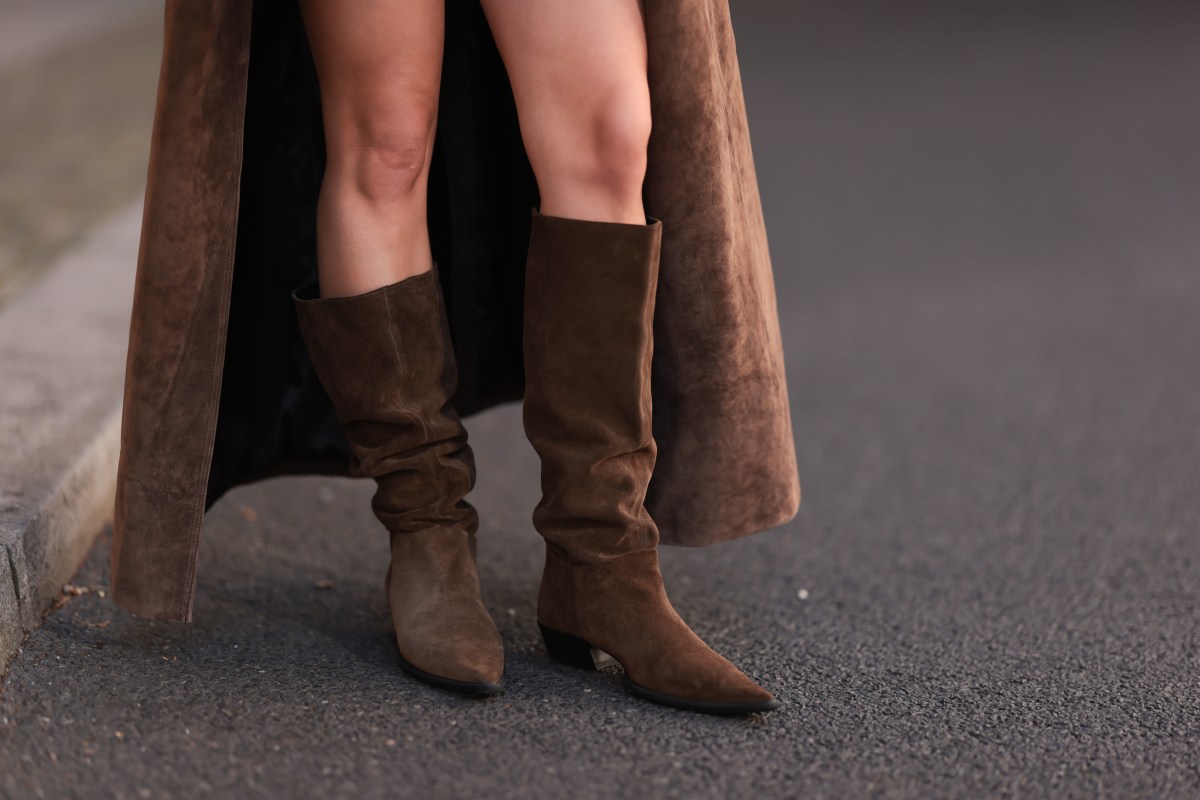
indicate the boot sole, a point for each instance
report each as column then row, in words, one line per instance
column 575, row 652
column 467, row 688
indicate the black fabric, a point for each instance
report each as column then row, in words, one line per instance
column 274, row 417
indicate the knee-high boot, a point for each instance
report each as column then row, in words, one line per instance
column 386, row 361
column 588, row 341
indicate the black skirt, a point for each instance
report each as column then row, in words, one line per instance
column 275, row 418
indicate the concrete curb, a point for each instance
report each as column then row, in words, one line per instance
column 62, row 361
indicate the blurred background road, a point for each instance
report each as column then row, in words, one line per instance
column 77, row 84
column 983, row 220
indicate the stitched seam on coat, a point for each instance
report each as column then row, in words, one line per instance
column 230, row 209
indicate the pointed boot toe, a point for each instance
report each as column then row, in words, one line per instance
column 470, row 665
column 444, row 633
column 451, row 643
column 746, row 703
column 621, row 607
column 724, row 691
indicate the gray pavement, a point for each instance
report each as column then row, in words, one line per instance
column 983, row 226
column 60, row 419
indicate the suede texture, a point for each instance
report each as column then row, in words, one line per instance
column 219, row 387
column 589, row 316
column 386, row 361
column 589, row 341
column 621, row 607
column 178, row 329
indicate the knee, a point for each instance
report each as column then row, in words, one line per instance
column 620, row 133
column 605, row 145
column 382, row 155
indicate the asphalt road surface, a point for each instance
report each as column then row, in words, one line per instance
column 984, row 226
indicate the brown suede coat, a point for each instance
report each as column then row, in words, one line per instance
column 219, row 390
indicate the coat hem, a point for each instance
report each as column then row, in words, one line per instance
column 195, row 530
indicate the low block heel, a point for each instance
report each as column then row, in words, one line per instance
column 567, row 649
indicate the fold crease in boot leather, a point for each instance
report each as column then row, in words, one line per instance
column 385, row 359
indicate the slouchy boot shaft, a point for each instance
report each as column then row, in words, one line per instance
column 589, row 317
column 386, row 361
column 589, row 340
column 390, row 373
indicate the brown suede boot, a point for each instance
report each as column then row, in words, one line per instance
column 386, row 361
column 588, row 339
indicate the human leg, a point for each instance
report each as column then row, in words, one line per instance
column 379, row 69
column 379, row 340
column 580, row 85
column 578, row 72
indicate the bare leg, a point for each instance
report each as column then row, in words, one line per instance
column 379, row 338
column 379, row 67
column 578, row 71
